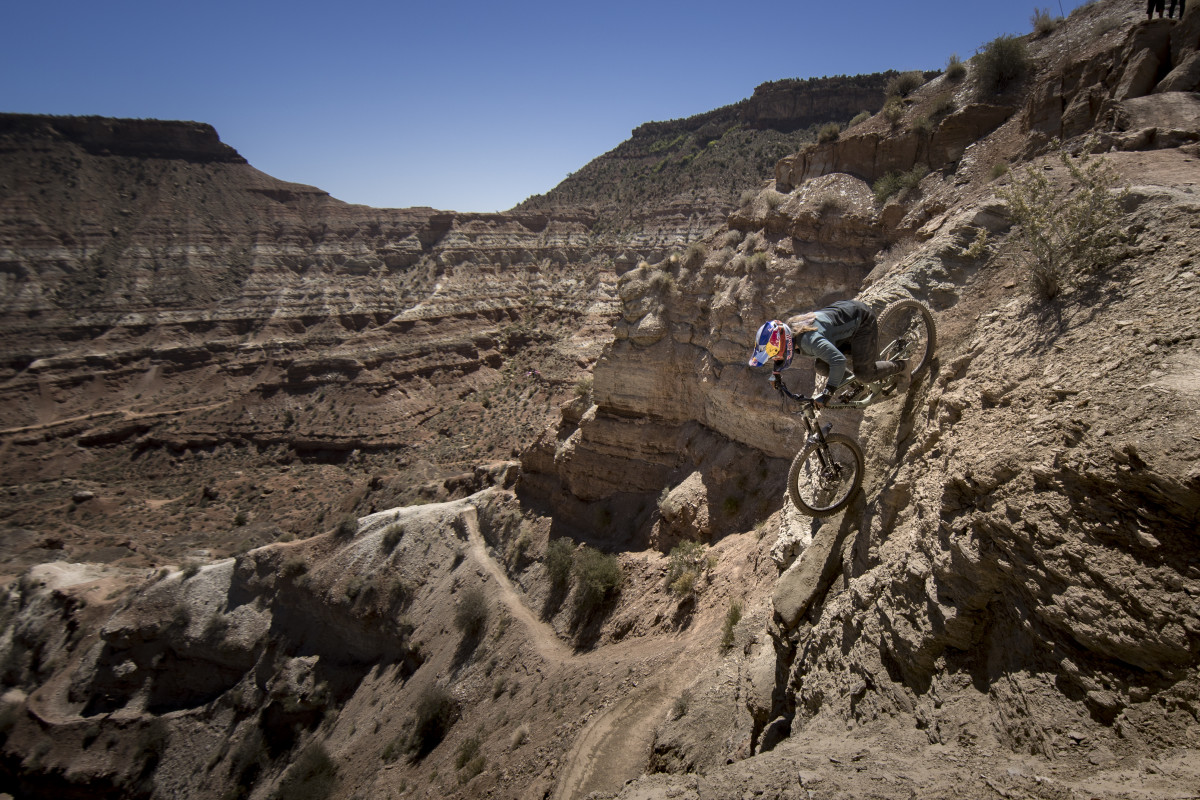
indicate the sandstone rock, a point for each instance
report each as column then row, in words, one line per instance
column 1139, row 77
column 1184, row 78
column 805, row 581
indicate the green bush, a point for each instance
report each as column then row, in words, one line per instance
column 956, row 70
column 1043, row 22
column 391, row 537
column 597, row 575
column 893, row 111
column 435, row 714
column 689, row 561
column 859, row 118
column 694, row 255
column 347, row 528
column 1065, row 229
column 560, row 555
column 469, row 761
column 829, row 132
column 471, row 615
column 732, row 617
column 313, row 776
column 899, row 183
column 1002, row 63
column 905, row 84
column 943, row 105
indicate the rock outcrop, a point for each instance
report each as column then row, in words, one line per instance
column 1009, row 608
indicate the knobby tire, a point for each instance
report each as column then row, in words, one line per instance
column 805, row 476
column 912, row 320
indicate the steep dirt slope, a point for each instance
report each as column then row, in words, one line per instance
column 1009, row 609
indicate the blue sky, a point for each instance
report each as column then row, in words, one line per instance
column 455, row 104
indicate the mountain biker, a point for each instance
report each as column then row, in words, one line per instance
column 823, row 335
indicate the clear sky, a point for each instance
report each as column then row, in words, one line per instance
column 455, row 104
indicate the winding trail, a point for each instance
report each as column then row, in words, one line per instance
column 614, row 746
column 545, row 640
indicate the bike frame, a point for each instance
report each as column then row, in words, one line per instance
column 808, row 411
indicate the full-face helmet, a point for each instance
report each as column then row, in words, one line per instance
column 773, row 342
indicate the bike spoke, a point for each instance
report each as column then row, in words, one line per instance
column 827, row 477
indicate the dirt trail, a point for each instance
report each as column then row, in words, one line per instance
column 545, row 640
column 124, row 414
column 615, row 745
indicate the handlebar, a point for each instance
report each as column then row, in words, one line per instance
column 776, row 380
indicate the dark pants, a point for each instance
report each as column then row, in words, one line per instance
column 864, row 347
column 1171, row 9
column 1154, row 5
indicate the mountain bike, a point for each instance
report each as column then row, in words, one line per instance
column 828, row 470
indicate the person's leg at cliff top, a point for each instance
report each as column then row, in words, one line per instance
column 1155, row 5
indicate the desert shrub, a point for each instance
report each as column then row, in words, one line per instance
column 1043, row 22
column 519, row 737
column 943, row 105
column 978, row 246
column 313, row 776
column 583, row 386
column 859, row 118
column 436, row 712
column 680, row 708
column 469, row 761
column 518, row 549
column 893, row 111
column 829, row 132
column 662, row 281
column 775, row 199
column 596, row 576
column 293, row 566
column 1001, row 63
column 732, row 617
column 347, row 528
column 829, row 202
column 689, row 561
column 905, row 84
column 757, row 262
column 747, row 197
column 470, row 617
column 560, row 555
column 190, row 568
column 886, row 186
column 922, row 125
column 391, row 537
column 1065, row 230
column 734, row 237
column 956, row 70
column 240, row 519
column 998, row 170
column 694, row 255
column 899, row 183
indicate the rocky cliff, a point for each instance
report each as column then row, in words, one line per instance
column 1009, row 608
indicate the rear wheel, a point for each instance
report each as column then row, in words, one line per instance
column 906, row 327
column 824, row 476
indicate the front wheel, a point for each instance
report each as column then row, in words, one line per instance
column 825, row 475
column 907, row 330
